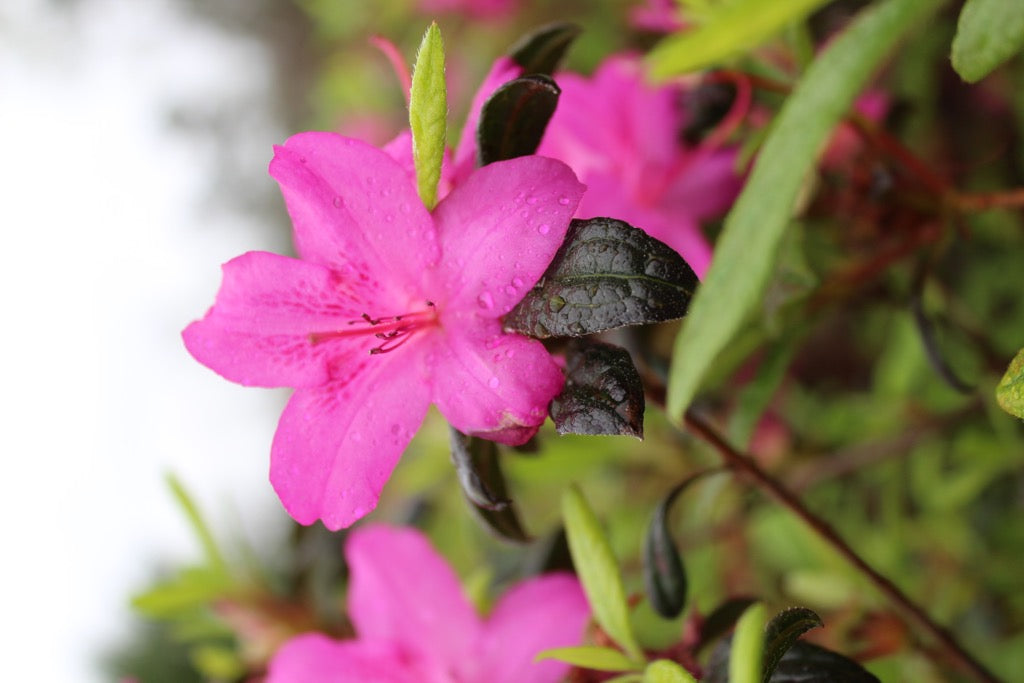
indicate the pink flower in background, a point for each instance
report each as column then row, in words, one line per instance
column 388, row 308
column 415, row 625
column 660, row 16
column 622, row 137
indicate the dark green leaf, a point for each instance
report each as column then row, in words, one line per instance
column 803, row 663
column 606, row 274
column 479, row 471
column 746, row 249
column 602, row 395
column 540, row 51
column 513, row 120
column 721, row 619
column 664, row 574
column 782, row 631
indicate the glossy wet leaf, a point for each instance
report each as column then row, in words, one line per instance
column 598, row 571
column 513, row 120
column 1010, row 392
column 603, row 394
column 478, row 468
column 606, row 274
column 745, row 251
column 988, row 33
column 782, row 632
column 428, row 114
column 802, row 663
column 590, row 657
column 541, row 51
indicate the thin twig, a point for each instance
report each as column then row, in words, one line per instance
column 744, row 464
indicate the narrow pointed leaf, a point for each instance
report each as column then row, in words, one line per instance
column 665, row 671
column 214, row 558
column 513, row 120
column 606, row 274
column 541, row 51
column 589, row 657
column 428, row 114
column 478, row 468
column 988, row 33
column 1010, row 392
column 721, row 619
column 745, row 251
column 726, row 31
column 782, row 631
column 603, row 393
column 664, row 574
column 748, row 646
column 598, row 571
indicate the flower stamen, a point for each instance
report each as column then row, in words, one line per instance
column 394, row 330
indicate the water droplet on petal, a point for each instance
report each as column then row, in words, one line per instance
column 511, row 291
column 485, row 300
column 531, row 200
column 493, row 383
column 396, row 428
column 543, row 228
column 564, row 201
column 338, row 202
column 524, row 214
column 516, row 282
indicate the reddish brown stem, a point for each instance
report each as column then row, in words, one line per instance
column 744, row 464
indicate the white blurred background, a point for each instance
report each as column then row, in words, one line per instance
column 113, row 231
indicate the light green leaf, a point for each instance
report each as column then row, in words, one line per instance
column 987, row 34
column 598, row 571
column 665, row 671
column 428, row 114
column 748, row 645
column 590, row 657
column 753, row 230
column 727, row 30
column 1010, row 392
column 214, row 558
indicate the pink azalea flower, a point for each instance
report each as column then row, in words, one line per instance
column 660, row 16
column 415, row 625
column 388, row 308
column 621, row 136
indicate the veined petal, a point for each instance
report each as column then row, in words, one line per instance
column 493, row 384
column 500, row 228
column 502, row 71
column 354, row 207
column 403, row 591
column 538, row 614
column 258, row 331
column 336, row 445
column 314, row 657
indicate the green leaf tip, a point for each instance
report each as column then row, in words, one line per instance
column 753, row 231
column 1010, row 392
column 988, row 33
column 598, row 572
column 428, row 114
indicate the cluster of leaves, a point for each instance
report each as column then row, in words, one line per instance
column 840, row 310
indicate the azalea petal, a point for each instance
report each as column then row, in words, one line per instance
column 313, row 657
column 707, row 187
column 502, row 71
column 258, row 331
column 400, row 149
column 336, row 445
column 493, row 384
column 403, row 591
column 542, row 613
column 501, row 227
column 354, row 208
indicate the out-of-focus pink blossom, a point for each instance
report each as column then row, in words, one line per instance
column 388, row 308
column 659, row 16
column 846, row 142
column 622, row 137
column 481, row 9
column 415, row 625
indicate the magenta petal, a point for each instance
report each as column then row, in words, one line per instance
column 315, row 658
column 500, row 229
column 707, row 187
column 258, row 331
column 502, row 71
column 493, row 384
column 403, row 591
column 353, row 204
column 545, row 612
column 336, row 445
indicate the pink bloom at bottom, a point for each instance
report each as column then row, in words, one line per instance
column 390, row 308
column 415, row 625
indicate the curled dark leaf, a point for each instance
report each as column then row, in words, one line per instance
column 802, row 663
column 603, row 394
column 479, row 472
column 541, row 51
column 606, row 274
column 782, row 632
column 513, row 120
